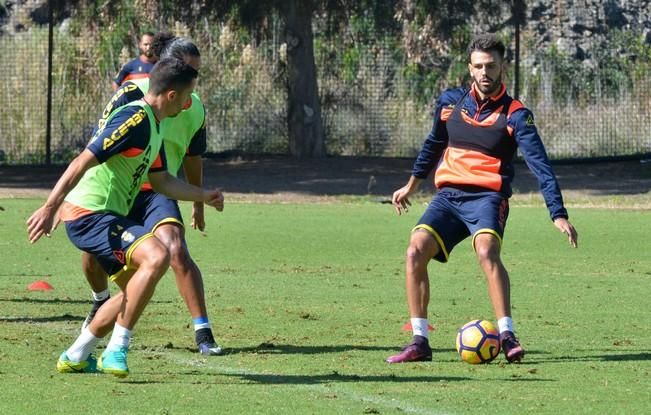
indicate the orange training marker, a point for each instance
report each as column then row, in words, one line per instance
column 407, row 327
column 40, row 285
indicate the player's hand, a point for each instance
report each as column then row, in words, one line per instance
column 400, row 199
column 567, row 228
column 56, row 220
column 198, row 220
column 214, row 198
column 40, row 223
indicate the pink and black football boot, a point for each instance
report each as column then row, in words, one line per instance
column 417, row 351
column 511, row 347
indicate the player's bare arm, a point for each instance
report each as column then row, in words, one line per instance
column 400, row 199
column 177, row 189
column 42, row 220
column 568, row 229
column 193, row 170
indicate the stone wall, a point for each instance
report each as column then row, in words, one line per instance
column 577, row 27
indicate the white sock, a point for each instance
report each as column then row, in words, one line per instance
column 83, row 346
column 505, row 324
column 419, row 326
column 120, row 337
column 102, row 295
column 202, row 326
column 201, row 323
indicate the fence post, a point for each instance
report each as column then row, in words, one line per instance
column 50, row 43
column 517, row 13
column 516, row 92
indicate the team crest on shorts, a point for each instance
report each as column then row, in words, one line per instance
column 128, row 237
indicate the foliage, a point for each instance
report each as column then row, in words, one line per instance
column 380, row 66
column 610, row 71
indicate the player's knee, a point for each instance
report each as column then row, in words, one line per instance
column 158, row 258
column 179, row 256
column 416, row 253
column 171, row 235
column 487, row 252
column 422, row 247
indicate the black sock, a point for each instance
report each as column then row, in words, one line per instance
column 204, row 336
column 420, row 340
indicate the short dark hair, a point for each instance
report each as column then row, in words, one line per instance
column 179, row 48
column 485, row 43
column 147, row 34
column 161, row 40
column 170, row 73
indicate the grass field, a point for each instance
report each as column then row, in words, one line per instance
column 308, row 300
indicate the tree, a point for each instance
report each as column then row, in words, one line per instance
column 304, row 120
column 304, row 123
column 306, row 134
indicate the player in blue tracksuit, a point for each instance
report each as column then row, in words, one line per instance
column 474, row 138
column 139, row 67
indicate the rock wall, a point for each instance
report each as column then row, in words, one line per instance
column 576, row 27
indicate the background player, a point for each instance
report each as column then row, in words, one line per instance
column 140, row 66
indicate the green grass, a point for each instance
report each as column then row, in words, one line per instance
column 308, row 300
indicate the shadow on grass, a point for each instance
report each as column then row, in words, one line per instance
column 627, row 357
column 49, row 319
column 336, row 377
column 272, row 348
column 64, row 301
column 45, row 300
column 603, row 356
column 268, row 348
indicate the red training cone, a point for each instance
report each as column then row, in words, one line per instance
column 407, row 327
column 40, row 285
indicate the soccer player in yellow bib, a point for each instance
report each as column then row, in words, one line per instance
column 94, row 196
column 185, row 141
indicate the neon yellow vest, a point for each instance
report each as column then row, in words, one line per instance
column 178, row 131
column 113, row 185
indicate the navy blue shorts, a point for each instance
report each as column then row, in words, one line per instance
column 111, row 238
column 453, row 215
column 154, row 209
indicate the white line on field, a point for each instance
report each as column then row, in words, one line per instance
column 340, row 388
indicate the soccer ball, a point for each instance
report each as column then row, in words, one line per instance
column 478, row 342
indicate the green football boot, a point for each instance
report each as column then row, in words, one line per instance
column 65, row 365
column 114, row 362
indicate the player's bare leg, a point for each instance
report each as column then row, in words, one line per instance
column 422, row 248
column 120, row 313
column 151, row 260
column 98, row 281
column 103, row 322
column 487, row 249
column 190, row 285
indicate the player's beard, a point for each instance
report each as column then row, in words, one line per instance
column 490, row 89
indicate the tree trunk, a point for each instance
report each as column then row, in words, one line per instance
column 306, row 134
